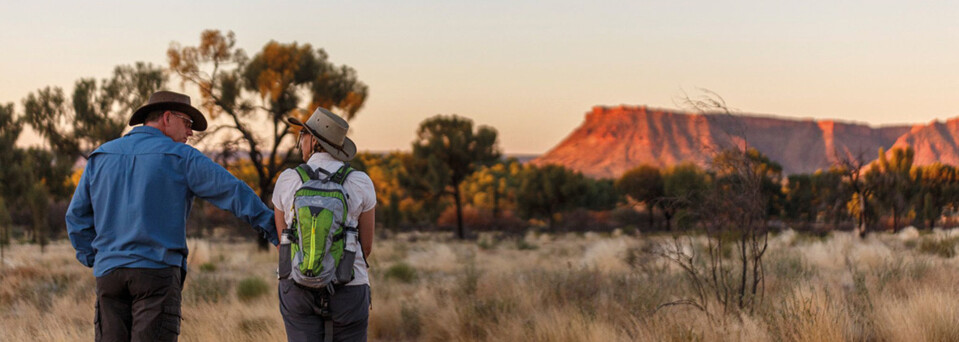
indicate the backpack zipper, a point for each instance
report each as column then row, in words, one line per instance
column 313, row 243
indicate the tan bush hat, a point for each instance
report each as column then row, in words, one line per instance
column 168, row 100
column 330, row 130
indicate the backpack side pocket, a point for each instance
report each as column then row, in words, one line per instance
column 286, row 257
column 344, row 271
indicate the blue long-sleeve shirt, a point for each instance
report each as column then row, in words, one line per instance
column 132, row 202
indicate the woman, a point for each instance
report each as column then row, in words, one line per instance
column 323, row 145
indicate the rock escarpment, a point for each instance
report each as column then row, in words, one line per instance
column 614, row 139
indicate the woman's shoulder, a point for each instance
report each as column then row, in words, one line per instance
column 360, row 178
column 288, row 173
column 287, row 178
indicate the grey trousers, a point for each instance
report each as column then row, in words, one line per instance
column 138, row 304
column 350, row 308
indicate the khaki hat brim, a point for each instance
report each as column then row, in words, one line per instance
column 345, row 154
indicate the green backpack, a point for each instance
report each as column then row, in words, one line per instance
column 323, row 247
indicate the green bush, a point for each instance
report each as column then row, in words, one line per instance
column 401, row 271
column 251, row 288
column 945, row 247
column 486, row 243
column 522, row 245
column 205, row 288
column 208, row 267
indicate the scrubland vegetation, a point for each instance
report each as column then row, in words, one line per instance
column 716, row 260
column 540, row 287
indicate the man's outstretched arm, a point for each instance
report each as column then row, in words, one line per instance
column 210, row 181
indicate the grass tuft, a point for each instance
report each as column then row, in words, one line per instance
column 206, row 288
column 943, row 247
column 251, row 288
column 401, row 271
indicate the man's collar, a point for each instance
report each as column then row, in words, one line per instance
column 145, row 129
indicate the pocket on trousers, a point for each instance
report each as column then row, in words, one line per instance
column 351, row 304
column 96, row 322
column 294, row 299
column 161, row 277
column 169, row 323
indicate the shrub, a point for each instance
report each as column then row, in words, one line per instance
column 789, row 268
column 251, row 288
column 401, row 271
column 208, row 267
column 523, row 245
column 469, row 282
column 486, row 242
column 944, row 247
column 205, row 288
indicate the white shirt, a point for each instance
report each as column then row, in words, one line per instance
column 361, row 198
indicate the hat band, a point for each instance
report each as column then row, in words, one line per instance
column 317, row 135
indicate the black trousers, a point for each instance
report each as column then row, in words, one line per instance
column 139, row 304
column 349, row 306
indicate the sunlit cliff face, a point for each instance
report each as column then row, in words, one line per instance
column 614, row 139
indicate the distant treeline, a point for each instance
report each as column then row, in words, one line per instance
column 454, row 177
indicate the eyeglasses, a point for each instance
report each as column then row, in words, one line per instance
column 186, row 120
column 299, row 135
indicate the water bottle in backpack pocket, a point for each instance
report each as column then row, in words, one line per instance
column 286, row 265
column 344, row 271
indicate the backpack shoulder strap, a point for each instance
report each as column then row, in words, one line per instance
column 340, row 175
column 306, row 172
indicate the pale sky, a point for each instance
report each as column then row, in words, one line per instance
column 532, row 69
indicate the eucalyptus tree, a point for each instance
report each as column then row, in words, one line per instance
column 446, row 151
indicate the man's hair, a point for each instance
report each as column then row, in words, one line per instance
column 154, row 115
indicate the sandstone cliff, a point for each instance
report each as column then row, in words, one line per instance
column 615, row 139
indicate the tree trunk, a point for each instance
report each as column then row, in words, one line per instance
column 649, row 209
column 668, row 215
column 745, row 266
column 495, row 203
column 895, row 220
column 861, row 230
column 393, row 215
column 459, row 213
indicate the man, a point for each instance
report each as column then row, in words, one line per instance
column 127, row 219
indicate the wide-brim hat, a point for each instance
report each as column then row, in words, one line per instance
column 168, row 100
column 330, row 131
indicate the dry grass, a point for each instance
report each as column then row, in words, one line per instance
column 591, row 287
